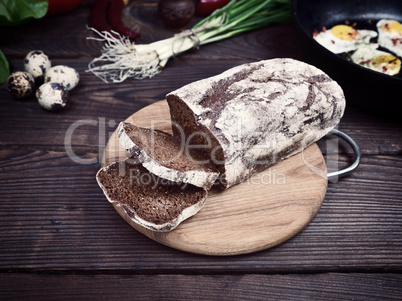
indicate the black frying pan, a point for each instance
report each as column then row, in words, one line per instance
column 363, row 87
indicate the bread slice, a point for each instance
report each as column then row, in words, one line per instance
column 167, row 156
column 152, row 202
column 254, row 115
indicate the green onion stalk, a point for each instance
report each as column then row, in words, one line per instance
column 122, row 59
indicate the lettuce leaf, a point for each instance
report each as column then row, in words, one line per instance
column 17, row 12
column 4, row 68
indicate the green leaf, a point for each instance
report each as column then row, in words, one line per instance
column 4, row 68
column 17, row 12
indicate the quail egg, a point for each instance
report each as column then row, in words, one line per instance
column 37, row 63
column 52, row 96
column 66, row 76
column 390, row 36
column 343, row 38
column 20, row 84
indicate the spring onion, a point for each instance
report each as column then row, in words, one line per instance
column 122, row 59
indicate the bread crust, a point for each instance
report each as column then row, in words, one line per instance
column 251, row 117
column 259, row 113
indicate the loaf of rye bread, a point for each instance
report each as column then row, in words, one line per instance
column 167, row 156
column 254, row 115
column 240, row 122
column 148, row 200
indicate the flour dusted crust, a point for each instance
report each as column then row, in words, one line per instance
column 147, row 200
column 255, row 115
column 165, row 156
column 249, row 118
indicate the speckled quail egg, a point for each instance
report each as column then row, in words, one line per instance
column 343, row 38
column 37, row 63
column 20, row 84
column 377, row 60
column 52, row 96
column 390, row 35
column 64, row 75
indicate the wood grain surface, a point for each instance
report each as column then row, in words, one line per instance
column 61, row 240
column 331, row 286
column 264, row 211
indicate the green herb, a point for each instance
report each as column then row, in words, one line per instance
column 122, row 59
column 16, row 12
column 4, row 68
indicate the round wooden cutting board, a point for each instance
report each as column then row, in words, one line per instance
column 264, row 211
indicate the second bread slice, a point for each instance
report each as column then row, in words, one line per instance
column 167, row 156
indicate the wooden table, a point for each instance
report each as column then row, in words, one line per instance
column 61, row 240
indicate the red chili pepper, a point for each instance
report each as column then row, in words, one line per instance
column 396, row 40
column 114, row 17
column 207, row 7
column 102, row 14
column 97, row 17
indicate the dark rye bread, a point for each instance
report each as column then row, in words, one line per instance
column 243, row 121
column 167, row 156
column 254, row 115
column 150, row 201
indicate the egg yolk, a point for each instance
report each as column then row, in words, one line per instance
column 392, row 27
column 388, row 62
column 344, row 32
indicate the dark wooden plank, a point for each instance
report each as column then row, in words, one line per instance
column 60, row 239
column 54, row 216
column 364, row 287
column 72, row 33
column 376, row 135
column 93, row 103
column 96, row 101
column 62, row 35
column 91, row 100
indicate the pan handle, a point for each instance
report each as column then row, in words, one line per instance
column 356, row 161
